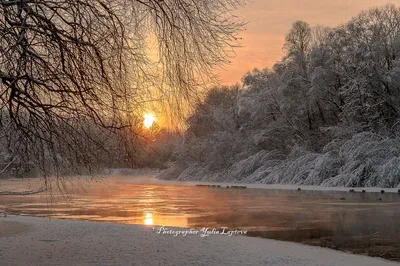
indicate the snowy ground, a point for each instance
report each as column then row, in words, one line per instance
column 39, row 241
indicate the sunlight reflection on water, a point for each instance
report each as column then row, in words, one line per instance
column 355, row 222
column 148, row 218
column 125, row 201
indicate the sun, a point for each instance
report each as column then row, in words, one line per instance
column 148, row 120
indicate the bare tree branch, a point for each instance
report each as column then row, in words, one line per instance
column 70, row 69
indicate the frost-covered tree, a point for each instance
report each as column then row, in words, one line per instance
column 327, row 114
column 365, row 53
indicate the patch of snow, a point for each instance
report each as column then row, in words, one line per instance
column 63, row 242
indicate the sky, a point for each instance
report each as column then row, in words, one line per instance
column 268, row 21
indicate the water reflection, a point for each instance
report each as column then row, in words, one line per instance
column 148, row 218
column 361, row 223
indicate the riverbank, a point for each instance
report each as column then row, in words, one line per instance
column 150, row 177
column 41, row 241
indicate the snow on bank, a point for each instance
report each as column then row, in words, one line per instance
column 63, row 242
column 152, row 179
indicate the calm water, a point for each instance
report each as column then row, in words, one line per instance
column 366, row 223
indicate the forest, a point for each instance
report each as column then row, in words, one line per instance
column 327, row 114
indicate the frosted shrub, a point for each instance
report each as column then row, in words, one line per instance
column 299, row 170
column 192, row 172
column 390, row 173
column 242, row 169
column 325, row 166
column 172, row 172
column 269, row 173
column 339, row 180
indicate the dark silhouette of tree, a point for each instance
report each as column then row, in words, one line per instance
column 71, row 68
column 299, row 38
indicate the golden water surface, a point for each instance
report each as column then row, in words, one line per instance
column 357, row 222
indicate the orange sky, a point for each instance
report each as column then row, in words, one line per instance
column 269, row 21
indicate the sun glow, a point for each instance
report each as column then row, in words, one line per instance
column 148, row 218
column 148, row 120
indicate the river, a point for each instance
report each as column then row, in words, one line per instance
column 363, row 223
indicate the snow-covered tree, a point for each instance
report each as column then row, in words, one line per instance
column 327, row 114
